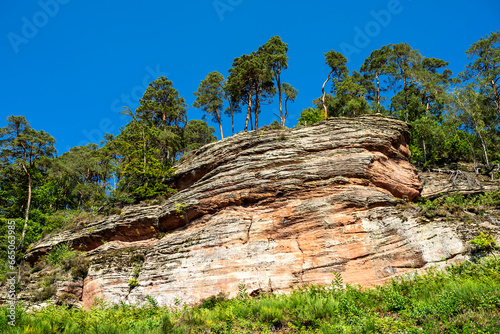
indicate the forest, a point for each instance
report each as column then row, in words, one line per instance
column 454, row 117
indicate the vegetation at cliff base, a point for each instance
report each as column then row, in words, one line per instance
column 464, row 298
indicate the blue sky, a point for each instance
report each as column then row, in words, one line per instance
column 69, row 66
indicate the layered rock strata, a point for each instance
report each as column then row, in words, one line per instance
column 267, row 210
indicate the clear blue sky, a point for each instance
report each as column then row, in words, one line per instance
column 69, row 66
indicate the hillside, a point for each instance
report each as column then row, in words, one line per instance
column 268, row 210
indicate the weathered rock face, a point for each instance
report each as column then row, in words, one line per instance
column 270, row 210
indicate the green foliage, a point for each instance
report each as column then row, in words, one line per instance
column 484, row 242
column 23, row 154
column 161, row 106
column 374, row 67
column 148, row 149
column 135, row 272
column 212, row 301
column 338, row 71
column 67, row 299
column 79, row 269
column 152, row 302
column 274, row 53
column 464, row 298
column 132, row 283
column 180, row 208
column 59, row 253
column 456, row 203
column 251, row 80
column 290, row 95
column 484, row 68
column 80, row 176
column 45, row 293
column 310, row 116
column 209, row 97
column 350, row 94
column 275, row 125
column 68, row 259
column 446, row 126
column 43, row 194
column 196, row 134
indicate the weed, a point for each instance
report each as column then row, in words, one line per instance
column 132, row 283
column 46, row 292
column 464, row 298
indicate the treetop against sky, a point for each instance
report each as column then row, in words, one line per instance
column 70, row 67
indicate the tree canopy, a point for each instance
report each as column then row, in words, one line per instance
column 451, row 118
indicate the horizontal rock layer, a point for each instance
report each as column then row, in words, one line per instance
column 269, row 209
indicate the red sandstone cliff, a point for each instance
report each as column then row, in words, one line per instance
column 270, row 209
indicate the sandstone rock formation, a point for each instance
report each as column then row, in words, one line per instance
column 270, row 209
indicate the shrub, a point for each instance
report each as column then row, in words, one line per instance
column 132, row 283
column 464, row 298
column 80, row 269
column 67, row 299
column 139, row 258
column 212, row 301
column 484, row 242
column 46, row 292
column 59, row 253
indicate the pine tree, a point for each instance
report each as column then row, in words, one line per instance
column 209, row 97
column 274, row 53
column 290, row 95
column 22, row 149
column 485, row 67
column 338, row 70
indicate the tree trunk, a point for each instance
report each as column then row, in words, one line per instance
column 144, row 149
column 282, row 119
column 406, row 99
column 221, row 134
column 232, row 120
column 257, row 105
column 425, row 150
column 484, row 150
column 378, row 92
column 496, row 94
column 324, row 94
column 220, row 123
column 26, row 216
column 249, row 110
column 286, row 112
column 482, row 140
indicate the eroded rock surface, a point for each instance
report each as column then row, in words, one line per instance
column 270, row 209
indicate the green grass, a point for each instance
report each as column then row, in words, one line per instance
column 455, row 204
column 462, row 299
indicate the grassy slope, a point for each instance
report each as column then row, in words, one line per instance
column 463, row 299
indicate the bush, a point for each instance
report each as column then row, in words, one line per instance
column 310, row 116
column 80, row 269
column 59, row 253
column 484, row 242
column 132, row 283
column 67, row 299
column 464, row 298
column 46, row 292
column 455, row 204
column 212, row 301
